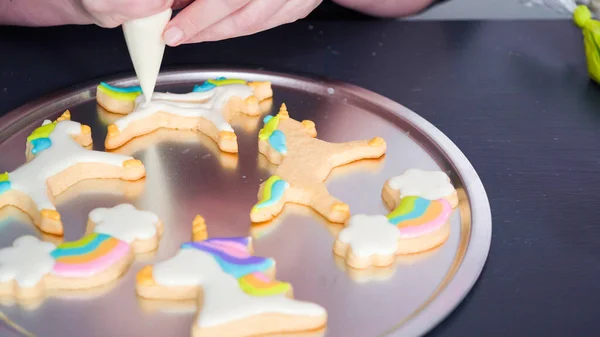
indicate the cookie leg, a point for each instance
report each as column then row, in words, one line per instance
column 249, row 106
column 47, row 219
column 345, row 153
column 50, row 222
column 328, row 206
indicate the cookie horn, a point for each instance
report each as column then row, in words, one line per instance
column 199, row 232
column 66, row 116
column 283, row 111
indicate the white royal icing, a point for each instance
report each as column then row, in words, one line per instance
column 370, row 235
column 223, row 300
column 186, row 105
column 31, row 178
column 26, row 262
column 124, row 222
column 431, row 185
column 190, row 97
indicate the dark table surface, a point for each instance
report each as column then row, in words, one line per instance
column 514, row 96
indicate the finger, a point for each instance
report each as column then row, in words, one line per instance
column 248, row 20
column 197, row 16
column 297, row 9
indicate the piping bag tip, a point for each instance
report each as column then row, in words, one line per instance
column 144, row 38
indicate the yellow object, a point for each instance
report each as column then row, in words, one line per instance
column 591, row 39
column 119, row 95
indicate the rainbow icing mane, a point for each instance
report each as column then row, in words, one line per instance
column 276, row 137
column 219, row 81
column 92, row 254
column 40, row 137
column 272, row 192
column 5, row 184
column 234, row 258
column 416, row 216
column 124, row 94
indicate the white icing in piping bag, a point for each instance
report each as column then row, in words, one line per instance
column 146, row 46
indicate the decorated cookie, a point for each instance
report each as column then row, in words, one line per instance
column 237, row 293
column 304, row 163
column 430, row 185
column 204, row 109
column 415, row 225
column 32, row 267
column 57, row 158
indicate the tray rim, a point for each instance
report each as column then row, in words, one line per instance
column 464, row 275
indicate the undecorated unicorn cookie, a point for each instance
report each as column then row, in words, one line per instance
column 204, row 110
column 237, row 293
column 57, row 158
column 30, row 267
column 304, row 163
column 415, row 224
column 430, row 185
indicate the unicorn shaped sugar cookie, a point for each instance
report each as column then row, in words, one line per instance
column 58, row 156
column 204, row 110
column 237, row 293
column 304, row 163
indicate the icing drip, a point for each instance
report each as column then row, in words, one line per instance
column 224, row 300
column 185, row 105
column 26, row 261
column 4, row 182
column 31, row 178
column 416, row 216
column 431, row 185
column 124, row 94
column 40, row 145
column 88, row 256
column 272, row 192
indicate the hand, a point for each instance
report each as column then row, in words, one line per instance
column 112, row 13
column 212, row 20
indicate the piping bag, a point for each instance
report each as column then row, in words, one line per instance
column 583, row 17
column 144, row 38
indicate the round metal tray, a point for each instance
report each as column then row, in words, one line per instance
column 187, row 175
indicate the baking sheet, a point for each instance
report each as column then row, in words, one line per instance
column 187, row 175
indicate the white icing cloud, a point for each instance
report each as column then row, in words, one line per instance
column 27, row 261
column 125, row 222
column 431, row 185
column 370, row 235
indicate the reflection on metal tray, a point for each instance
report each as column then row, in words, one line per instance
column 187, row 175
